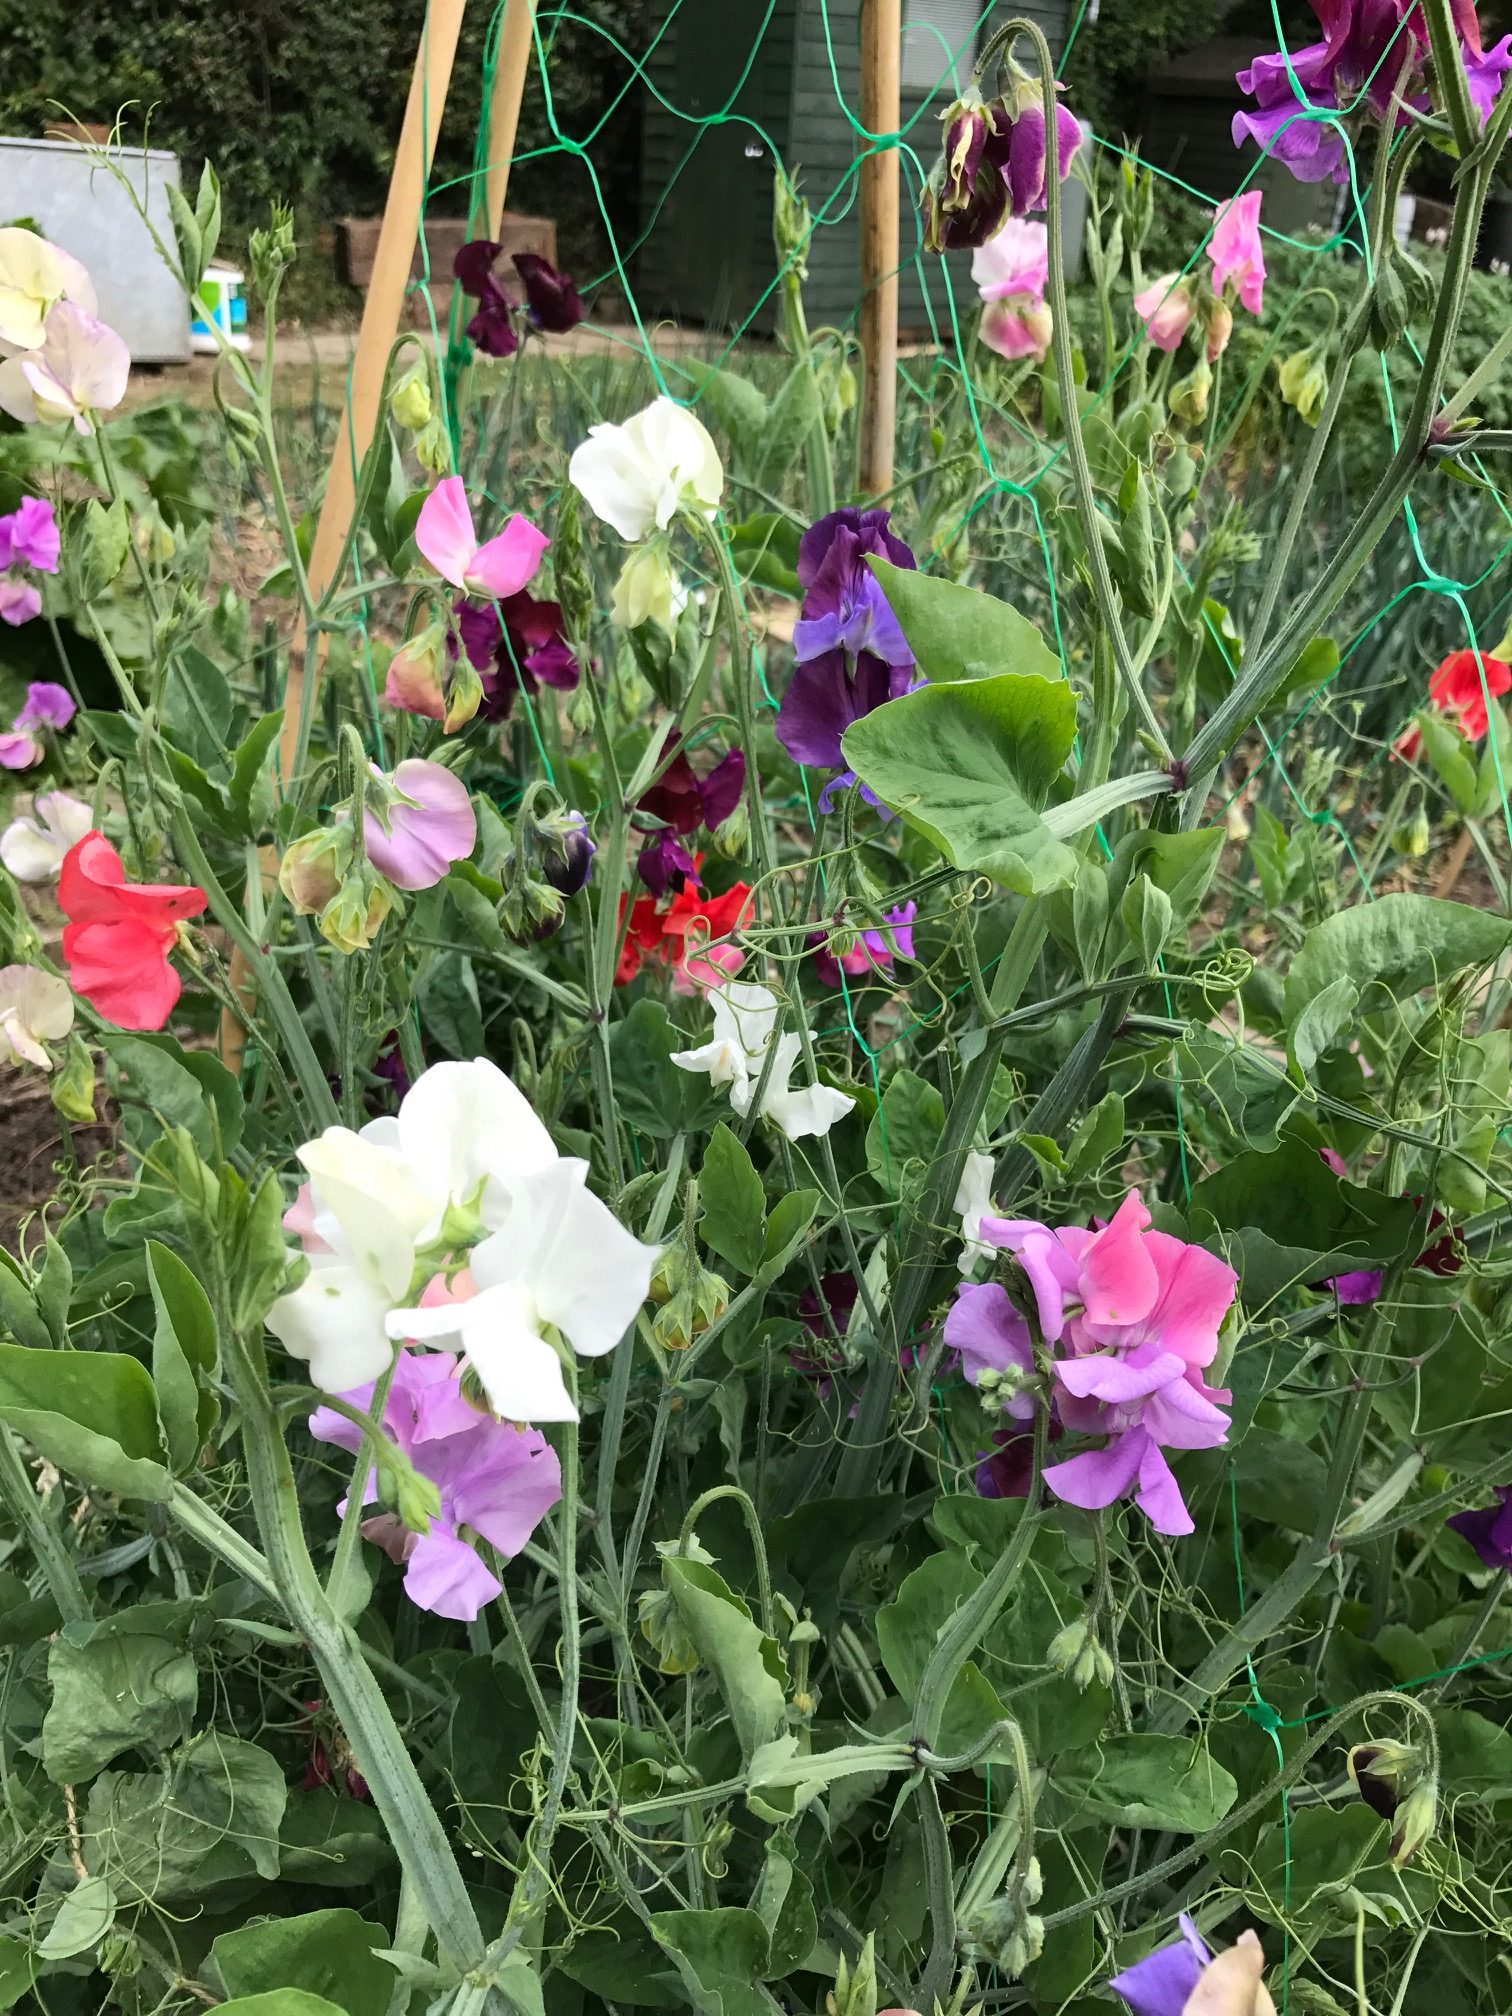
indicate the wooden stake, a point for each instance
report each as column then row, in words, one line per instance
column 511, row 67
column 881, row 112
column 402, row 215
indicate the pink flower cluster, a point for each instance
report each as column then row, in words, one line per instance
column 28, row 539
column 1131, row 1318
column 1167, row 306
column 1011, row 272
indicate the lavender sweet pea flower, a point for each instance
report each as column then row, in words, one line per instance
column 29, row 536
column 1489, row 1532
column 1368, row 49
column 1484, row 73
column 1161, row 1984
column 423, row 822
column 843, row 603
column 47, row 705
column 498, row 1480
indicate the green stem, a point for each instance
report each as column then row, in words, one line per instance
column 758, row 1543
column 51, row 1556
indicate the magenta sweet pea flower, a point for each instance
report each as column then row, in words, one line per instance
column 873, row 952
column 29, row 536
column 500, row 1481
column 445, row 536
column 419, row 822
column 47, row 705
column 1160, row 1984
column 1131, row 1318
column 1236, row 251
column 517, row 645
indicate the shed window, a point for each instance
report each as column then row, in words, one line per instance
column 937, row 33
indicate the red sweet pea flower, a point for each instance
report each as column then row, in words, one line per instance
column 1455, row 689
column 118, row 935
column 690, row 934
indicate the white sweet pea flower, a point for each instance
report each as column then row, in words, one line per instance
column 34, row 277
column 465, row 1144
column 562, row 1260
column 745, row 1022
column 79, row 369
column 36, row 1009
column 32, row 848
column 639, row 476
column 973, row 1200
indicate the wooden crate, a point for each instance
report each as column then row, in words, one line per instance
column 444, row 238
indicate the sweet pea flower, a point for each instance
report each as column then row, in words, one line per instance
column 518, row 644
column 28, row 538
column 47, row 705
column 36, row 1009
column 683, row 801
column 445, row 535
column 424, row 822
column 638, row 476
column 1489, row 1532
column 492, row 328
column 1131, row 1317
column 32, row 848
column 1185, row 1979
column 552, row 301
column 464, row 1146
column 1165, row 308
column 973, row 1200
column 1456, row 690
column 80, row 369
column 873, row 951
column 119, row 934
column 34, row 277
column 497, row 1480
column 414, row 682
column 691, row 934
column 648, row 589
column 1236, row 251
column 736, row 1054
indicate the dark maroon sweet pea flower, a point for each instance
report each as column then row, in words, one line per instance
column 519, row 643
column 843, row 603
column 683, row 801
column 492, row 328
column 839, row 1292
column 1006, row 1469
column 1489, row 1532
column 473, row 265
column 552, row 301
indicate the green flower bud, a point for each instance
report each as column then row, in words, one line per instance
column 272, row 251
column 574, row 583
column 313, row 868
column 358, row 911
column 433, row 449
column 792, row 227
column 1304, row 383
column 1189, row 397
column 410, row 400
column 1411, row 839
column 855, row 1989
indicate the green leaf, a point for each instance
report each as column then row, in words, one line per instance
column 280, row 2002
column 651, row 1092
column 191, row 243
column 105, row 538
column 212, row 1816
column 1314, row 665
column 904, row 1133
column 19, row 1314
column 184, row 1356
column 962, row 633
column 18, row 1969
column 764, row 548
column 84, row 1917
column 197, row 709
column 1293, row 1220
column 1168, row 1782
column 93, row 1413
column 160, row 1086
column 792, row 1215
column 1328, row 1016
column 333, row 1843
column 784, row 1902
column 257, row 1248
column 1317, row 1859
column 325, row 1953
column 733, row 1203
column 450, row 1005
column 251, row 787
column 965, row 765
column 1391, row 948
column 720, row 1957
column 54, row 1290
column 207, row 212
column 123, row 1683
column 792, row 415
column 1475, row 1755
column 747, row 1665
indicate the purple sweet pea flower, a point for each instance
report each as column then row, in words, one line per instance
column 840, row 1292
column 822, row 700
column 497, row 1479
column 29, row 536
column 873, row 952
column 843, row 603
column 1489, row 1532
column 518, row 644
column 664, row 864
column 552, row 301
column 568, row 862
column 1026, row 155
column 47, row 705
column 1161, row 1984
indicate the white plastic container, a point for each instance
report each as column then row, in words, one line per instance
column 85, row 210
column 223, row 305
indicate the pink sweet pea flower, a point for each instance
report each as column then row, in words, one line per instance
column 20, row 601
column 1165, row 308
column 1017, row 326
column 424, row 824
column 497, row 1479
column 47, row 705
column 1015, row 261
column 446, row 537
column 29, row 536
column 81, row 369
column 1132, row 1317
column 18, row 749
column 1236, row 251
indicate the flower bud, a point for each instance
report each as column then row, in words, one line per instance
column 272, row 251
column 73, row 1087
column 1220, row 326
column 648, row 591
column 792, row 226
column 433, row 448
column 1411, row 839
column 566, row 852
column 855, row 1989
column 732, row 836
column 410, row 400
column 417, row 674
column 358, row 911
column 1006, row 1931
column 662, row 1628
column 1189, row 396
column 312, row 868
column 465, row 697
column 1394, row 1780
column 1304, row 384
column 574, row 584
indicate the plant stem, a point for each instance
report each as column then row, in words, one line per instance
column 51, row 1556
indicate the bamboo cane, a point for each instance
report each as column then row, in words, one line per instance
column 510, row 68
column 881, row 55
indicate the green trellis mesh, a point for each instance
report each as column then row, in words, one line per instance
column 1449, row 564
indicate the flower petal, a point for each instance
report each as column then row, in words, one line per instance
column 444, row 531
column 505, row 563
